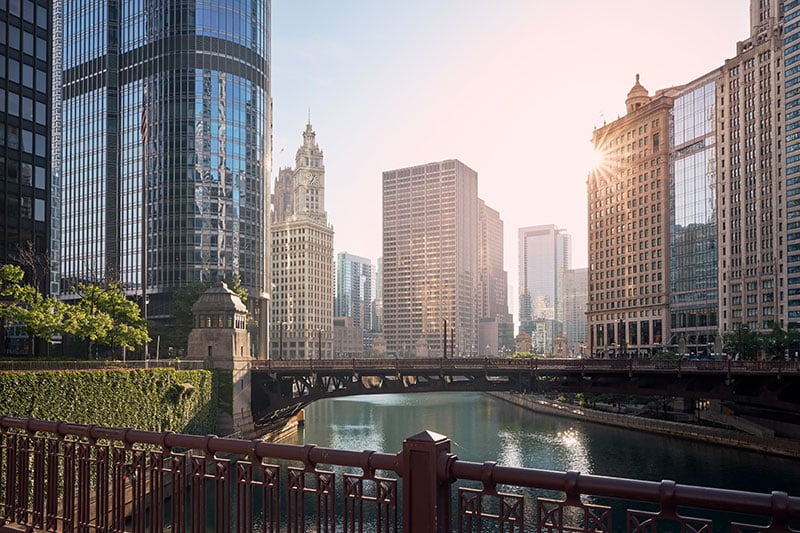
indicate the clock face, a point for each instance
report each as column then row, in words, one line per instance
column 312, row 179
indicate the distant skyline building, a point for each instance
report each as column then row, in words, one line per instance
column 166, row 119
column 545, row 255
column 629, row 218
column 301, row 325
column 496, row 325
column 354, row 290
column 430, row 258
column 575, row 297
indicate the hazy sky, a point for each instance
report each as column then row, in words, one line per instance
column 512, row 88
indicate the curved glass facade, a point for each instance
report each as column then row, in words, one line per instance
column 174, row 94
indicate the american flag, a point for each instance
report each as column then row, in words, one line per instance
column 143, row 124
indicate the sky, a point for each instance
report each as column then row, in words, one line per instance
column 512, row 88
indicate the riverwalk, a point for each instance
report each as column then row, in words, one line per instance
column 726, row 437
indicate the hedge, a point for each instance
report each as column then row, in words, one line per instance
column 161, row 399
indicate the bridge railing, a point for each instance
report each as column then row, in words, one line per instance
column 497, row 364
column 68, row 477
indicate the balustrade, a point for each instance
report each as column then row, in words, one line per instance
column 68, row 477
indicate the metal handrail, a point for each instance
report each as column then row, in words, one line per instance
column 61, row 476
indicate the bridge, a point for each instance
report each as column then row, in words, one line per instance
column 281, row 388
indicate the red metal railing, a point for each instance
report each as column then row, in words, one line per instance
column 66, row 477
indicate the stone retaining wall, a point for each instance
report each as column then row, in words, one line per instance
column 775, row 445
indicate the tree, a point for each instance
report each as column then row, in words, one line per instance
column 743, row 342
column 175, row 333
column 104, row 316
column 42, row 317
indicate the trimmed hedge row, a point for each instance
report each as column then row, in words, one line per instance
column 161, row 399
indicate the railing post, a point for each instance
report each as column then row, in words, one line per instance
column 426, row 489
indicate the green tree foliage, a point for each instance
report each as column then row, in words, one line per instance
column 104, row 316
column 175, row 333
column 744, row 342
column 42, row 317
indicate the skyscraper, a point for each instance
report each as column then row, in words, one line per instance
column 753, row 269
column 25, row 155
column 694, row 305
column 302, row 259
column 576, row 296
column 545, row 255
column 354, row 290
column 166, row 119
column 628, row 203
column 496, row 327
column 430, row 258
column 24, row 135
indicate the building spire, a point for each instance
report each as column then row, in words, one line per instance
column 309, row 116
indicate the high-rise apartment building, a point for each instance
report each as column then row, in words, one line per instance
column 628, row 203
column 496, row 328
column 302, row 259
column 430, row 258
column 354, row 290
column 756, row 201
column 25, row 184
column 165, row 163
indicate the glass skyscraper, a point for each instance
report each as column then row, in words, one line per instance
column 25, row 56
column 693, row 219
column 166, row 114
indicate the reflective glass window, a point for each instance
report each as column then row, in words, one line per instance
column 41, row 81
column 13, row 104
column 27, row 76
column 13, row 70
column 27, row 43
column 14, row 39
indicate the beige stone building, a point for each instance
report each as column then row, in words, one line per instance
column 628, row 211
column 752, row 224
column 301, row 325
column 430, row 258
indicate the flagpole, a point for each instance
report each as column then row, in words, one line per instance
column 144, row 125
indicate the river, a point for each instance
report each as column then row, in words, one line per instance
column 483, row 428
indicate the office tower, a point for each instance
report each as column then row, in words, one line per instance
column 24, row 137
column 166, row 119
column 545, row 255
column 354, row 289
column 576, row 296
column 694, row 306
column 791, row 85
column 302, row 259
column 496, row 327
column 756, row 201
column 25, row 155
column 430, row 258
column 628, row 203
